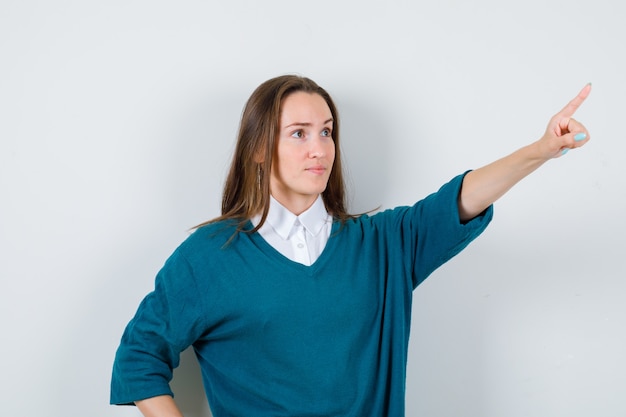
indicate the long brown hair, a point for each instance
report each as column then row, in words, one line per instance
column 247, row 186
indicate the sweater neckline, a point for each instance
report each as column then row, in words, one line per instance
column 270, row 252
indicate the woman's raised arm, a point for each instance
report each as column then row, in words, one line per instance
column 482, row 187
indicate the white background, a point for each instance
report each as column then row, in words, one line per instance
column 118, row 119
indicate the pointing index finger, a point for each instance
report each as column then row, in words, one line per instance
column 571, row 107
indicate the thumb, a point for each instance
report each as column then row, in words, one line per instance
column 573, row 140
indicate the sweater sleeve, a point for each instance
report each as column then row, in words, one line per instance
column 166, row 322
column 438, row 232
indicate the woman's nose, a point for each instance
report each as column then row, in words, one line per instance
column 316, row 150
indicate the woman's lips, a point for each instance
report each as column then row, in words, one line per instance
column 318, row 169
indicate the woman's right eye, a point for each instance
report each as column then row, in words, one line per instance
column 298, row 134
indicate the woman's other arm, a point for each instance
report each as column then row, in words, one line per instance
column 160, row 406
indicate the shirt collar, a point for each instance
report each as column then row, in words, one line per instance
column 315, row 217
column 283, row 221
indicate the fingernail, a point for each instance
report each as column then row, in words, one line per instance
column 580, row 136
column 564, row 151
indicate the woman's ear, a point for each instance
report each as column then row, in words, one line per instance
column 259, row 157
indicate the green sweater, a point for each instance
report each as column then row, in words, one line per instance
column 276, row 338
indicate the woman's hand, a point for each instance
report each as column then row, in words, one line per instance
column 484, row 186
column 563, row 132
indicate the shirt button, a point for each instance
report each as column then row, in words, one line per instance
column 300, row 245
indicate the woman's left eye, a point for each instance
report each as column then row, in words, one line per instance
column 326, row 132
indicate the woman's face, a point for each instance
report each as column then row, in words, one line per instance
column 305, row 151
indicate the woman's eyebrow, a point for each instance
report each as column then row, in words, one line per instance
column 307, row 124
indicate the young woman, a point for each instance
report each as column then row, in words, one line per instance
column 295, row 307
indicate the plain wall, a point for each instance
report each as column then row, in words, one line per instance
column 118, row 119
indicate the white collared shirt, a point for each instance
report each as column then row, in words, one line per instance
column 300, row 238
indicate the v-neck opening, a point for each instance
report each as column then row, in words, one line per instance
column 274, row 255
